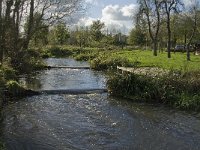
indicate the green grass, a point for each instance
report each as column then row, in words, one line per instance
column 141, row 58
column 176, row 62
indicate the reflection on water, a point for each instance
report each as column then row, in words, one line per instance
column 64, row 78
column 93, row 121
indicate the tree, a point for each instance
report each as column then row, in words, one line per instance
column 40, row 29
column 120, row 40
column 14, row 13
column 1, row 25
column 61, row 34
column 137, row 37
column 149, row 10
column 169, row 6
column 96, row 28
column 192, row 16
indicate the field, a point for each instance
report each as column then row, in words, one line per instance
column 146, row 59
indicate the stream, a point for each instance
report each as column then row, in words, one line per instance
column 91, row 121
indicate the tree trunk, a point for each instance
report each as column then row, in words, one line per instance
column 30, row 25
column 188, row 51
column 155, row 47
column 169, row 36
column 6, row 26
column 1, row 48
column 185, row 41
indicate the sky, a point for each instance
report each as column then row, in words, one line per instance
column 116, row 14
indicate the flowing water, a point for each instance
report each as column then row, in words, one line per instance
column 91, row 121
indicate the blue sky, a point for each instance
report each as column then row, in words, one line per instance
column 116, row 14
column 96, row 6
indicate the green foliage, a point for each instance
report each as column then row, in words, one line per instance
column 143, row 89
column 188, row 101
column 27, row 61
column 57, row 51
column 105, row 61
column 8, row 73
column 85, row 56
column 14, row 88
column 120, row 40
column 181, row 92
column 59, row 35
column 96, row 28
column 2, row 146
column 137, row 37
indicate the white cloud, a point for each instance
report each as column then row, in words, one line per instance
column 119, row 16
column 115, row 17
column 113, row 12
column 129, row 10
column 86, row 21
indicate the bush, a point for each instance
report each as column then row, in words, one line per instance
column 27, row 61
column 9, row 73
column 59, row 52
column 14, row 88
column 170, row 90
column 104, row 62
column 132, row 85
column 2, row 146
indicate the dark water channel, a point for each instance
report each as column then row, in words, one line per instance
column 91, row 121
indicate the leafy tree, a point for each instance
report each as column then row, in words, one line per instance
column 120, row 40
column 137, row 37
column 96, row 28
column 61, row 34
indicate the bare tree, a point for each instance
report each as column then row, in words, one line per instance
column 150, row 10
column 169, row 7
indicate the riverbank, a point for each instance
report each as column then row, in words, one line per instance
column 178, row 86
column 28, row 61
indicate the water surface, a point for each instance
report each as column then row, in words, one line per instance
column 92, row 121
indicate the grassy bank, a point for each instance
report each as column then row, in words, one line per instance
column 174, row 91
column 140, row 58
column 26, row 62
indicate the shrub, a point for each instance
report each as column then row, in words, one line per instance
column 9, row 73
column 170, row 90
column 14, row 88
column 2, row 146
column 27, row 61
column 104, row 62
column 59, row 52
column 132, row 85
